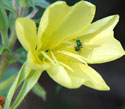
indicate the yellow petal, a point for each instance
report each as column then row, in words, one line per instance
column 26, row 33
column 86, row 76
column 59, row 74
column 102, row 25
column 82, row 75
column 61, row 21
column 102, row 48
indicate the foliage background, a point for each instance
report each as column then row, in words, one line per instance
column 84, row 97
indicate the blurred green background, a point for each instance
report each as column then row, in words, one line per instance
column 84, row 97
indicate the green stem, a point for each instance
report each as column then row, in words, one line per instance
column 3, row 65
column 9, row 43
column 5, row 39
column 21, row 9
column 5, row 58
column 15, row 7
column 12, row 39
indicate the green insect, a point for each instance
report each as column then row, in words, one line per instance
column 78, row 45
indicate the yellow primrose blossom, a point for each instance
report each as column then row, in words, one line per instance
column 67, row 40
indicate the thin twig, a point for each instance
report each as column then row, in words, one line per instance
column 33, row 13
column 15, row 6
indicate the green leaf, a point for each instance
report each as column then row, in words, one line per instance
column 4, row 50
column 41, row 3
column 4, row 28
column 40, row 91
column 20, row 56
column 20, row 50
column 37, row 20
column 5, row 85
column 12, row 18
column 29, row 77
column 27, row 86
column 31, row 3
column 1, row 49
column 7, row 80
column 7, row 5
column 22, row 60
column 3, row 21
column 23, row 3
column 10, row 72
column 19, row 79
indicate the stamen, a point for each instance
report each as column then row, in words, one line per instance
column 83, row 58
column 70, row 46
column 54, row 57
column 78, row 57
column 68, row 42
column 44, row 58
column 61, row 63
column 44, row 54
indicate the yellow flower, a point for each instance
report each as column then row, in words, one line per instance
column 67, row 41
